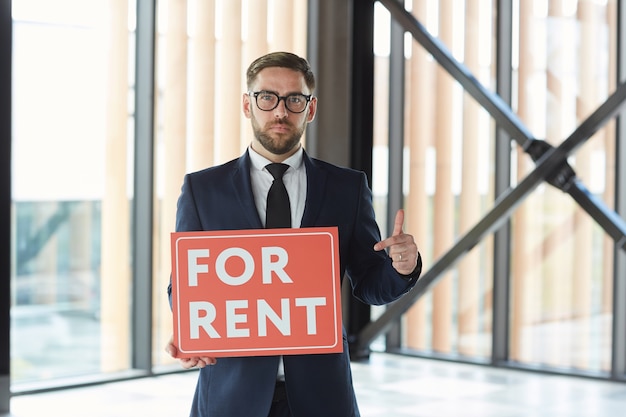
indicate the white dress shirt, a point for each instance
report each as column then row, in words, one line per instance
column 295, row 182
column 294, row 179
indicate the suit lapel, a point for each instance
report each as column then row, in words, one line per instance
column 240, row 181
column 315, row 185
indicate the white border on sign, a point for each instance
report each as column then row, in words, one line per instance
column 333, row 262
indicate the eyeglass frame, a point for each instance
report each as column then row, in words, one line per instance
column 255, row 94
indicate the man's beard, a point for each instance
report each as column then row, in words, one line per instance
column 278, row 145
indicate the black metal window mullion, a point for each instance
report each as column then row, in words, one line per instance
column 6, row 42
column 503, row 140
column 361, row 139
column 618, row 345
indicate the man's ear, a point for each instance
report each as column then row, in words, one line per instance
column 311, row 110
column 245, row 104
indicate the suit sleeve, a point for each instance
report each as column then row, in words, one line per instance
column 187, row 219
column 374, row 280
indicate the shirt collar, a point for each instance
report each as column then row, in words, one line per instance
column 259, row 162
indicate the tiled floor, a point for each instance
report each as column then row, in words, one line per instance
column 387, row 386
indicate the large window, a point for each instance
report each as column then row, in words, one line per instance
column 562, row 262
column 563, row 68
column 73, row 162
column 72, row 172
column 448, row 172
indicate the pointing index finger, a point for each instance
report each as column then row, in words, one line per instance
column 398, row 223
column 397, row 230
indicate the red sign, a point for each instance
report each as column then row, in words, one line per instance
column 256, row 292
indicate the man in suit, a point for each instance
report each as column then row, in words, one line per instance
column 280, row 103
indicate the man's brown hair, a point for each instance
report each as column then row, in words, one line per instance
column 284, row 60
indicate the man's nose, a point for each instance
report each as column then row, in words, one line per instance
column 281, row 110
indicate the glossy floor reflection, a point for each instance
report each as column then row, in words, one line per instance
column 386, row 386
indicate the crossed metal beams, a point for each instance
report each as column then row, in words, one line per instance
column 551, row 166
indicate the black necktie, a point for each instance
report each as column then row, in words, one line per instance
column 278, row 212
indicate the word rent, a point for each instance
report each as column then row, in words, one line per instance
column 274, row 259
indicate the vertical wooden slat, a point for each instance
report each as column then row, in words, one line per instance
column 257, row 25
column 300, row 29
column 523, row 285
column 256, row 44
column 283, row 26
column 556, row 246
column 115, row 277
column 443, row 234
column 608, row 260
column 489, row 137
column 590, row 58
column 469, row 208
column 202, row 91
column 174, row 131
column 420, row 132
column 230, row 142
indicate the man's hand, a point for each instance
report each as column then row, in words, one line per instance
column 401, row 247
column 188, row 363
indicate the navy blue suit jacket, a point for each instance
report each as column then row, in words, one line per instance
column 220, row 198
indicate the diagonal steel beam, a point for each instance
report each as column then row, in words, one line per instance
column 552, row 159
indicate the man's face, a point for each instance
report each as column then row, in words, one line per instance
column 277, row 132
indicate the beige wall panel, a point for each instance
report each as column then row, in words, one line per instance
column 115, row 281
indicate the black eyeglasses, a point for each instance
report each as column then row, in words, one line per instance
column 268, row 100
